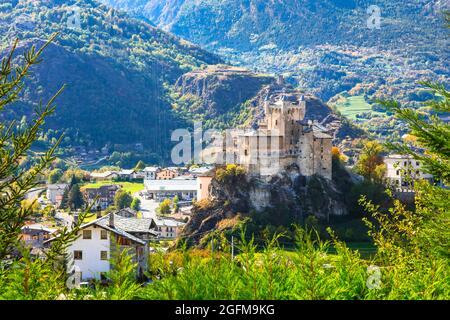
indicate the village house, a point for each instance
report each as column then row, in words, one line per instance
column 150, row 173
column 55, row 193
column 168, row 229
column 167, row 174
column 98, row 241
column 104, row 176
column 403, row 170
column 204, row 180
column 130, row 174
column 101, row 197
column 34, row 235
column 126, row 174
column 127, row 213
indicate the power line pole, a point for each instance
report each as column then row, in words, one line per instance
column 232, row 248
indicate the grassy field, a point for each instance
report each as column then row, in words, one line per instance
column 131, row 187
column 353, row 106
column 366, row 249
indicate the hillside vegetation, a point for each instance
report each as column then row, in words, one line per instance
column 116, row 68
column 326, row 47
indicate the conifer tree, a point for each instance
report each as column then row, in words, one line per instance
column 139, row 166
column 14, row 146
column 75, row 199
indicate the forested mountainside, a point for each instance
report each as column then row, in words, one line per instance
column 222, row 96
column 330, row 48
column 127, row 82
column 250, row 24
column 116, row 68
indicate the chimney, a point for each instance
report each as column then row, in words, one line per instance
column 111, row 220
column 99, row 212
column 75, row 219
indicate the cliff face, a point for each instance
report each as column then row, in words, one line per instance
column 226, row 97
column 218, row 90
column 286, row 199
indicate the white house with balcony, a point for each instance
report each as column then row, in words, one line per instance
column 150, row 172
column 97, row 241
column 168, row 229
column 403, row 170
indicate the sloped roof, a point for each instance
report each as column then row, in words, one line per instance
column 151, row 169
column 102, row 190
column 120, row 232
column 126, row 211
column 201, row 170
column 58, row 186
column 122, row 226
column 37, row 227
column 103, row 174
column 169, row 223
column 126, row 171
column 143, row 225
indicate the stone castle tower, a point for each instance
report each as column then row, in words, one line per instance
column 284, row 138
column 280, row 139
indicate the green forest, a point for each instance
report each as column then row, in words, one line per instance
column 412, row 258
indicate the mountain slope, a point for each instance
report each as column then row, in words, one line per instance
column 250, row 24
column 329, row 48
column 116, row 68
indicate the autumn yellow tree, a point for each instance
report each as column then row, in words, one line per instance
column 370, row 163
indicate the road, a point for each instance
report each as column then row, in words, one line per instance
column 148, row 207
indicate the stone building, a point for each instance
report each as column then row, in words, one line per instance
column 280, row 139
column 403, row 170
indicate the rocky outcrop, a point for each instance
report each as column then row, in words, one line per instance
column 285, row 199
column 220, row 88
column 224, row 96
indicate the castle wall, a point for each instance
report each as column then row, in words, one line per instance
column 282, row 141
column 315, row 155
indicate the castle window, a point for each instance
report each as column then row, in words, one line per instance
column 246, row 152
column 276, row 122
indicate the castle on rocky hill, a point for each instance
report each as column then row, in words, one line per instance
column 281, row 139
